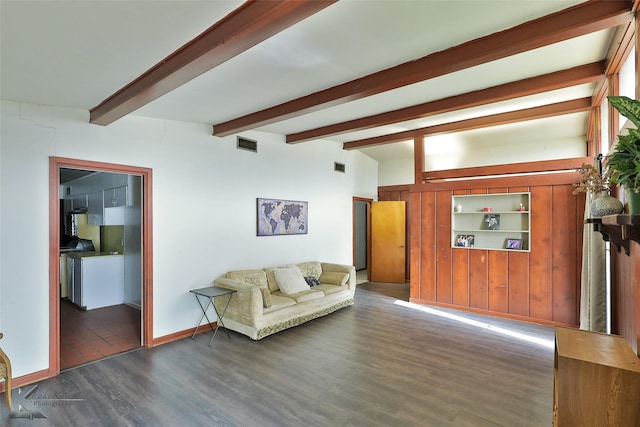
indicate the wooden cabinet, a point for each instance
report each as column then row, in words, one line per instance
column 596, row 380
column 491, row 221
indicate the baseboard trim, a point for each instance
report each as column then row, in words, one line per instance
column 182, row 334
column 492, row 313
column 31, row 378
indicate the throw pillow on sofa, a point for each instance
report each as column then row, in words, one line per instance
column 271, row 278
column 312, row 281
column 256, row 278
column 334, row 278
column 290, row 280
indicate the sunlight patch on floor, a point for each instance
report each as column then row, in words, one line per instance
column 483, row 325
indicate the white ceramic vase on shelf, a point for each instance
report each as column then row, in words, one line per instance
column 605, row 204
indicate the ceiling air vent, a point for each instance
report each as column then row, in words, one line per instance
column 338, row 167
column 247, row 144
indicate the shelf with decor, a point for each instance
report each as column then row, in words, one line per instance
column 499, row 221
column 618, row 229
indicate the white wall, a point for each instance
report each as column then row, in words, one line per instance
column 204, row 202
column 396, row 172
column 486, row 152
column 453, row 152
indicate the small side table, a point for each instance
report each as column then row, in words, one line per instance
column 211, row 293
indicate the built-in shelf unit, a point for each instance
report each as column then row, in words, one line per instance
column 491, row 221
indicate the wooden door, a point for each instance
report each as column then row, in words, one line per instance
column 388, row 234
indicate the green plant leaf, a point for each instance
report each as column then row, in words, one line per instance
column 630, row 108
column 624, row 161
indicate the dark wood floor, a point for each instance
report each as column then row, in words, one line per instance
column 381, row 362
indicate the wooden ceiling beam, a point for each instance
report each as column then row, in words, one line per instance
column 613, row 117
column 575, row 21
column 511, row 168
column 541, row 112
column 588, row 73
column 599, row 92
column 248, row 25
column 620, row 47
column 594, row 131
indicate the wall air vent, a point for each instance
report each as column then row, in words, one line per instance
column 338, row 167
column 247, row 144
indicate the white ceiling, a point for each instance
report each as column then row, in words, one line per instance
column 77, row 53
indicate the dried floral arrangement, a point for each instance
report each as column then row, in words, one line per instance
column 592, row 180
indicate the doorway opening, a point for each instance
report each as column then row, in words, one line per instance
column 100, row 258
column 362, row 238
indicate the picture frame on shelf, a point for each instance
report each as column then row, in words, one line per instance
column 514, row 244
column 492, row 222
column 465, row 240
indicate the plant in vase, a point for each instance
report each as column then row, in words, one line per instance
column 596, row 185
column 624, row 161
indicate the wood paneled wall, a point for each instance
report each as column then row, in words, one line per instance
column 625, row 295
column 541, row 286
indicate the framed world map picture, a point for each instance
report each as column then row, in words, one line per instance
column 279, row 217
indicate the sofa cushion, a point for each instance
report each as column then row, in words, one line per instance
column 303, row 296
column 311, row 269
column 330, row 289
column 271, row 279
column 308, row 295
column 290, row 280
column 256, row 278
column 279, row 301
column 334, row 278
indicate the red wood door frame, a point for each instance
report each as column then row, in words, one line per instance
column 55, row 163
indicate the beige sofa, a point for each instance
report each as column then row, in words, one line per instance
column 272, row 299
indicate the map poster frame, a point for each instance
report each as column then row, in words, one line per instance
column 279, row 217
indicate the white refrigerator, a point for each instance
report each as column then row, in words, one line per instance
column 96, row 281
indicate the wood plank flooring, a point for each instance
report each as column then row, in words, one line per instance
column 381, row 362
